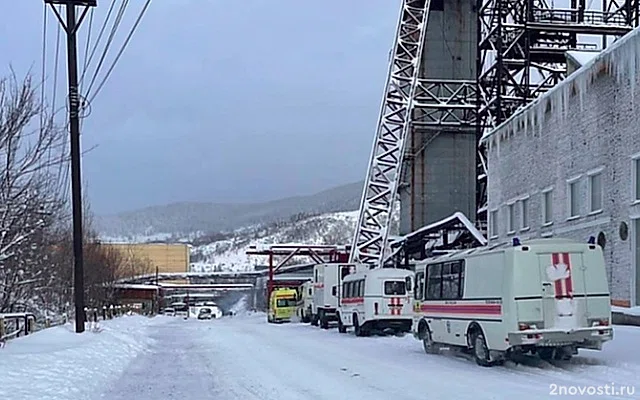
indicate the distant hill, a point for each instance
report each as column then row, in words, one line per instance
column 189, row 219
column 227, row 252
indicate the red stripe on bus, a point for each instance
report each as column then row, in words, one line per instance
column 486, row 309
column 352, row 300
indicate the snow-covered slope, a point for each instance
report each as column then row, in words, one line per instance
column 229, row 254
column 177, row 221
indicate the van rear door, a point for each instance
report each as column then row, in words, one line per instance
column 394, row 296
column 563, row 287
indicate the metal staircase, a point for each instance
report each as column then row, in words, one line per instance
column 383, row 175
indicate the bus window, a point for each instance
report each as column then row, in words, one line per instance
column 395, row 288
column 419, row 290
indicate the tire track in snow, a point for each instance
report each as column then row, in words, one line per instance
column 381, row 354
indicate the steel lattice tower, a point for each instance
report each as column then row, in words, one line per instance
column 459, row 68
column 522, row 47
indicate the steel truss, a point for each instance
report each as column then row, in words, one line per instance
column 521, row 53
column 319, row 254
column 383, row 175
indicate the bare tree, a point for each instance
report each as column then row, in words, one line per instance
column 104, row 265
column 30, row 203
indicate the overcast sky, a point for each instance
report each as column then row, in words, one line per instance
column 219, row 100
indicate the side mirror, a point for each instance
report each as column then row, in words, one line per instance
column 408, row 283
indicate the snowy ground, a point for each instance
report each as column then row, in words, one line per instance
column 243, row 357
column 57, row 363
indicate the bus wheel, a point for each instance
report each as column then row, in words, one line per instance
column 341, row 327
column 359, row 331
column 480, row 350
column 546, row 353
column 427, row 342
column 324, row 323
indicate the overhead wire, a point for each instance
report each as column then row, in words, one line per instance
column 44, row 64
column 63, row 173
column 121, row 51
column 95, row 46
column 85, row 63
column 42, row 80
column 114, row 28
column 91, row 49
column 47, row 120
column 55, row 67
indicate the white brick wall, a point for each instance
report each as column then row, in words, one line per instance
column 601, row 133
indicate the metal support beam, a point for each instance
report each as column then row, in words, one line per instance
column 384, row 172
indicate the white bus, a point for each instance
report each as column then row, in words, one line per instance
column 377, row 300
column 327, row 279
column 546, row 296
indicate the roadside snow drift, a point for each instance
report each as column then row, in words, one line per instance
column 57, row 363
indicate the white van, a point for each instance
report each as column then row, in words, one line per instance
column 305, row 304
column 378, row 300
column 546, row 296
column 327, row 279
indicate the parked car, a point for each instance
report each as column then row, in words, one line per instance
column 205, row 313
column 169, row 311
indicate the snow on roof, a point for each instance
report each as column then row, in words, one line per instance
column 622, row 58
column 455, row 216
column 135, row 286
column 582, row 57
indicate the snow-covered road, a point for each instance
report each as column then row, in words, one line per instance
column 246, row 358
column 243, row 357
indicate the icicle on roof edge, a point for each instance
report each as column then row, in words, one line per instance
column 622, row 58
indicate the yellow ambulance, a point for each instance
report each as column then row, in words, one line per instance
column 283, row 303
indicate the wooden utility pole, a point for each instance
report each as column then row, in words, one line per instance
column 71, row 28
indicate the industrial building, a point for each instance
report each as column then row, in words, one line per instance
column 568, row 165
column 166, row 257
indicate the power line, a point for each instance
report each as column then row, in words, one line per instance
column 42, row 81
column 95, row 46
column 55, row 67
column 86, row 49
column 124, row 45
column 44, row 64
column 112, row 34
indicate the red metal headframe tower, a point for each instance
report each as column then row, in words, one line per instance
column 320, row 254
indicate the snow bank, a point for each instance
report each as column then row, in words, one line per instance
column 58, row 364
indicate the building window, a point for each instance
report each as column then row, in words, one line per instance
column 595, row 192
column 574, row 198
column 636, row 172
column 493, row 223
column 524, row 213
column 511, row 217
column 547, row 207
